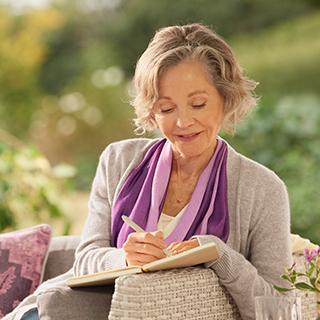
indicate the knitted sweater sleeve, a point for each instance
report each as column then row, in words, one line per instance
column 267, row 245
column 95, row 254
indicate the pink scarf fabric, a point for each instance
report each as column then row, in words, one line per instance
column 142, row 197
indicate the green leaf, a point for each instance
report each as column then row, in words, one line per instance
column 291, row 268
column 281, row 289
column 293, row 278
column 313, row 281
column 304, row 286
column 286, row 277
column 311, row 269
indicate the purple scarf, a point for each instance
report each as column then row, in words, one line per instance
column 143, row 193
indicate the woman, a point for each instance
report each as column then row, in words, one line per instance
column 190, row 187
column 189, row 86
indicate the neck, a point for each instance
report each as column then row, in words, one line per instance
column 188, row 167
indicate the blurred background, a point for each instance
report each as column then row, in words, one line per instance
column 65, row 73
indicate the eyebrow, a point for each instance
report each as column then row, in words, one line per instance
column 189, row 95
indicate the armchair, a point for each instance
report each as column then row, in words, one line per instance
column 189, row 293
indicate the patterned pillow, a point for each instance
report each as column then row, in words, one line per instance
column 23, row 255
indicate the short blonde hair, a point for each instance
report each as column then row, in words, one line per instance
column 172, row 45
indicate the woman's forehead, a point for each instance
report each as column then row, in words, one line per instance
column 189, row 95
column 185, row 70
column 189, row 78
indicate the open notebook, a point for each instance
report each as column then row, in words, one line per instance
column 192, row 257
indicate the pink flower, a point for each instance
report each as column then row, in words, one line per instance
column 309, row 254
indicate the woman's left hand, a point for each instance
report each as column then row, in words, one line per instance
column 177, row 247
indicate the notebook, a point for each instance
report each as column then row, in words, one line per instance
column 188, row 258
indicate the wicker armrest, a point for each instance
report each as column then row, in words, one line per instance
column 188, row 293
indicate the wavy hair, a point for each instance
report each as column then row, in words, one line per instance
column 196, row 42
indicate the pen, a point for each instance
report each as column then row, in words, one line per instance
column 137, row 228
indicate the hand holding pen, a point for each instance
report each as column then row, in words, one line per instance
column 143, row 247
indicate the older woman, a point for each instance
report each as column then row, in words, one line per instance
column 190, row 187
column 191, row 184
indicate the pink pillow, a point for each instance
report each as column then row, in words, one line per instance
column 23, row 256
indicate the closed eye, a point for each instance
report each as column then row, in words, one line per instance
column 198, row 106
column 166, row 110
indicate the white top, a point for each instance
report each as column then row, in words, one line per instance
column 167, row 223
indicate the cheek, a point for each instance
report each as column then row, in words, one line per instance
column 164, row 124
column 214, row 119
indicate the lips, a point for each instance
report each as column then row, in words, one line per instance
column 187, row 137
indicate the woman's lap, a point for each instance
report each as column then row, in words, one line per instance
column 81, row 304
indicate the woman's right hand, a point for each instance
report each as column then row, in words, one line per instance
column 144, row 247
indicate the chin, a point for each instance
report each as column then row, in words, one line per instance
column 190, row 153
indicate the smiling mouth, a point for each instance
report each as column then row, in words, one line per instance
column 187, row 137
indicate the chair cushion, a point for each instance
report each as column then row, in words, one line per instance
column 23, row 255
column 61, row 255
column 62, row 302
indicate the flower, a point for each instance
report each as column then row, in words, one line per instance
column 309, row 280
column 309, row 254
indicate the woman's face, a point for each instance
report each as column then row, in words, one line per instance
column 189, row 111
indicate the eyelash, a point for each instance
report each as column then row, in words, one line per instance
column 166, row 110
column 197, row 106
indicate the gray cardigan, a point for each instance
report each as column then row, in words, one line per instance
column 258, row 248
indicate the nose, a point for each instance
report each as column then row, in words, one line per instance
column 184, row 118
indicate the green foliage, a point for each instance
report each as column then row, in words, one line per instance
column 284, row 58
column 309, row 279
column 121, row 33
column 284, row 136
column 284, row 132
column 22, row 50
column 30, row 193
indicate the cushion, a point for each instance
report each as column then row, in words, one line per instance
column 23, row 255
column 61, row 255
column 62, row 302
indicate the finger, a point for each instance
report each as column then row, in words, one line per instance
column 148, row 237
column 174, row 251
column 133, row 263
column 183, row 246
column 141, row 258
column 131, row 245
column 171, row 245
column 158, row 234
column 176, row 246
column 144, row 248
column 180, row 245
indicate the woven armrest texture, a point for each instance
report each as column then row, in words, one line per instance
column 188, row 293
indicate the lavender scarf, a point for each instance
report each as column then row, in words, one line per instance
column 143, row 193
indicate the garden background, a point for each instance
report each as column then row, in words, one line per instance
column 65, row 77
